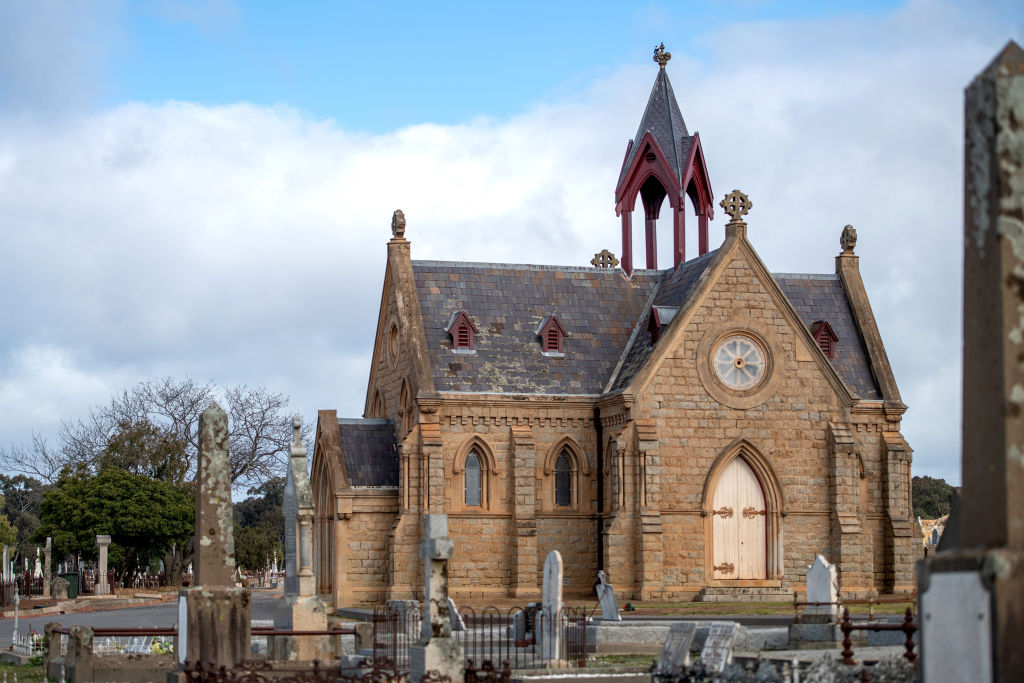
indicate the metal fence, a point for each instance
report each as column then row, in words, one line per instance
column 492, row 639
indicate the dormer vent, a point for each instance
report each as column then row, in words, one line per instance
column 552, row 336
column 463, row 333
column 826, row 338
column 660, row 317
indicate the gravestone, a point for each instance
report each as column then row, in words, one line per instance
column 822, row 587
column 7, row 564
column 102, row 587
column 457, row 623
column 606, row 596
column 46, row 567
column 548, row 631
column 676, row 653
column 436, row 650
column 299, row 609
column 983, row 574
column 717, row 650
column 214, row 615
column 60, row 588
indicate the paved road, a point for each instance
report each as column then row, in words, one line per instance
column 151, row 616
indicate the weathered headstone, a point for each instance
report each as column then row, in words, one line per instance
column 60, row 588
column 46, row 567
column 436, row 650
column 102, row 587
column 457, row 623
column 676, row 653
column 548, row 632
column 7, row 564
column 299, row 609
column 717, row 651
column 822, row 587
column 983, row 575
column 606, row 596
column 216, row 628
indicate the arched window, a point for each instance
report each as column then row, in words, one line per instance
column 563, row 480
column 473, row 480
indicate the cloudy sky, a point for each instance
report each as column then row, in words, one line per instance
column 205, row 188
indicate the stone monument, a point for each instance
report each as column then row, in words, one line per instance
column 606, row 596
column 972, row 593
column 717, row 650
column 675, row 656
column 548, row 632
column 299, row 609
column 436, row 649
column 822, row 588
column 46, row 567
column 102, row 586
column 214, row 615
column 60, row 588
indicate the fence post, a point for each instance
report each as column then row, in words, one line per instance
column 847, row 628
column 909, row 627
column 79, row 662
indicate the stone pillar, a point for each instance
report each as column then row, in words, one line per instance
column 217, row 613
column 299, row 609
column 524, row 568
column 102, row 587
column 972, row 597
column 436, row 650
column 851, row 553
column 551, row 650
column 46, row 567
column 652, row 553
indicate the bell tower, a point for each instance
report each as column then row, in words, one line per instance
column 663, row 159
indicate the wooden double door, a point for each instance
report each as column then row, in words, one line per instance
column 739, row 522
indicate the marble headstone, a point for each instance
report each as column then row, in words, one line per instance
column 717, row 650
column 457, row 623
column 676, row 653
column 549, row 633
column 822, row 586
column 606, row 596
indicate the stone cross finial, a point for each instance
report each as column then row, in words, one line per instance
column 848, row 240
column 661, row 56
column 737, row 205
column 398, row 224
column 604, row 259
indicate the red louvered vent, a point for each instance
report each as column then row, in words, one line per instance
column 463, row 332
column 551, row 341
column 552, row 336
column 826, row 338
column 462, row 337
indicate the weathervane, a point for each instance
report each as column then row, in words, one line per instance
column 660, row 56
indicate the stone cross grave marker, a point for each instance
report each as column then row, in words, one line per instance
column 676, row 653
column 551, row 599
column 606, row 596
column 822, row 586
column 102, row 587
column 436, row 650
column 717, row 650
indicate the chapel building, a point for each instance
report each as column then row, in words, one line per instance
column 699, row 432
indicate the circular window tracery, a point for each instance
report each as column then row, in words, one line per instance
column 739, row 362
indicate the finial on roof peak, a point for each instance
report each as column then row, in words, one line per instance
column 737, row 205
column 398, row 224
column 661, row 56
column 848, row 239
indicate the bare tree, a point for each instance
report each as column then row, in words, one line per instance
column 260, row 432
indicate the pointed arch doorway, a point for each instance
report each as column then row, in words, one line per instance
column 740, row 533
column 743, row 511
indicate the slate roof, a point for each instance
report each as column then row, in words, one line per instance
column 370, row 453
column 672, row 291
column 605, row 315
column 598, row 307
column 663, row 118
column 821, row 297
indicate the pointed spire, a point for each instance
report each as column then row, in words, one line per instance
column 664, row 120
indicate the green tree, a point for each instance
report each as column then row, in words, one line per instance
column 255, row 547
column 143, row 516
column 931, row 497
column 21, row 498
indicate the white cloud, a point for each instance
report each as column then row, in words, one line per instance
column 246, row 244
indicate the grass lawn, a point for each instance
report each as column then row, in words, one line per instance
column 29, row 672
